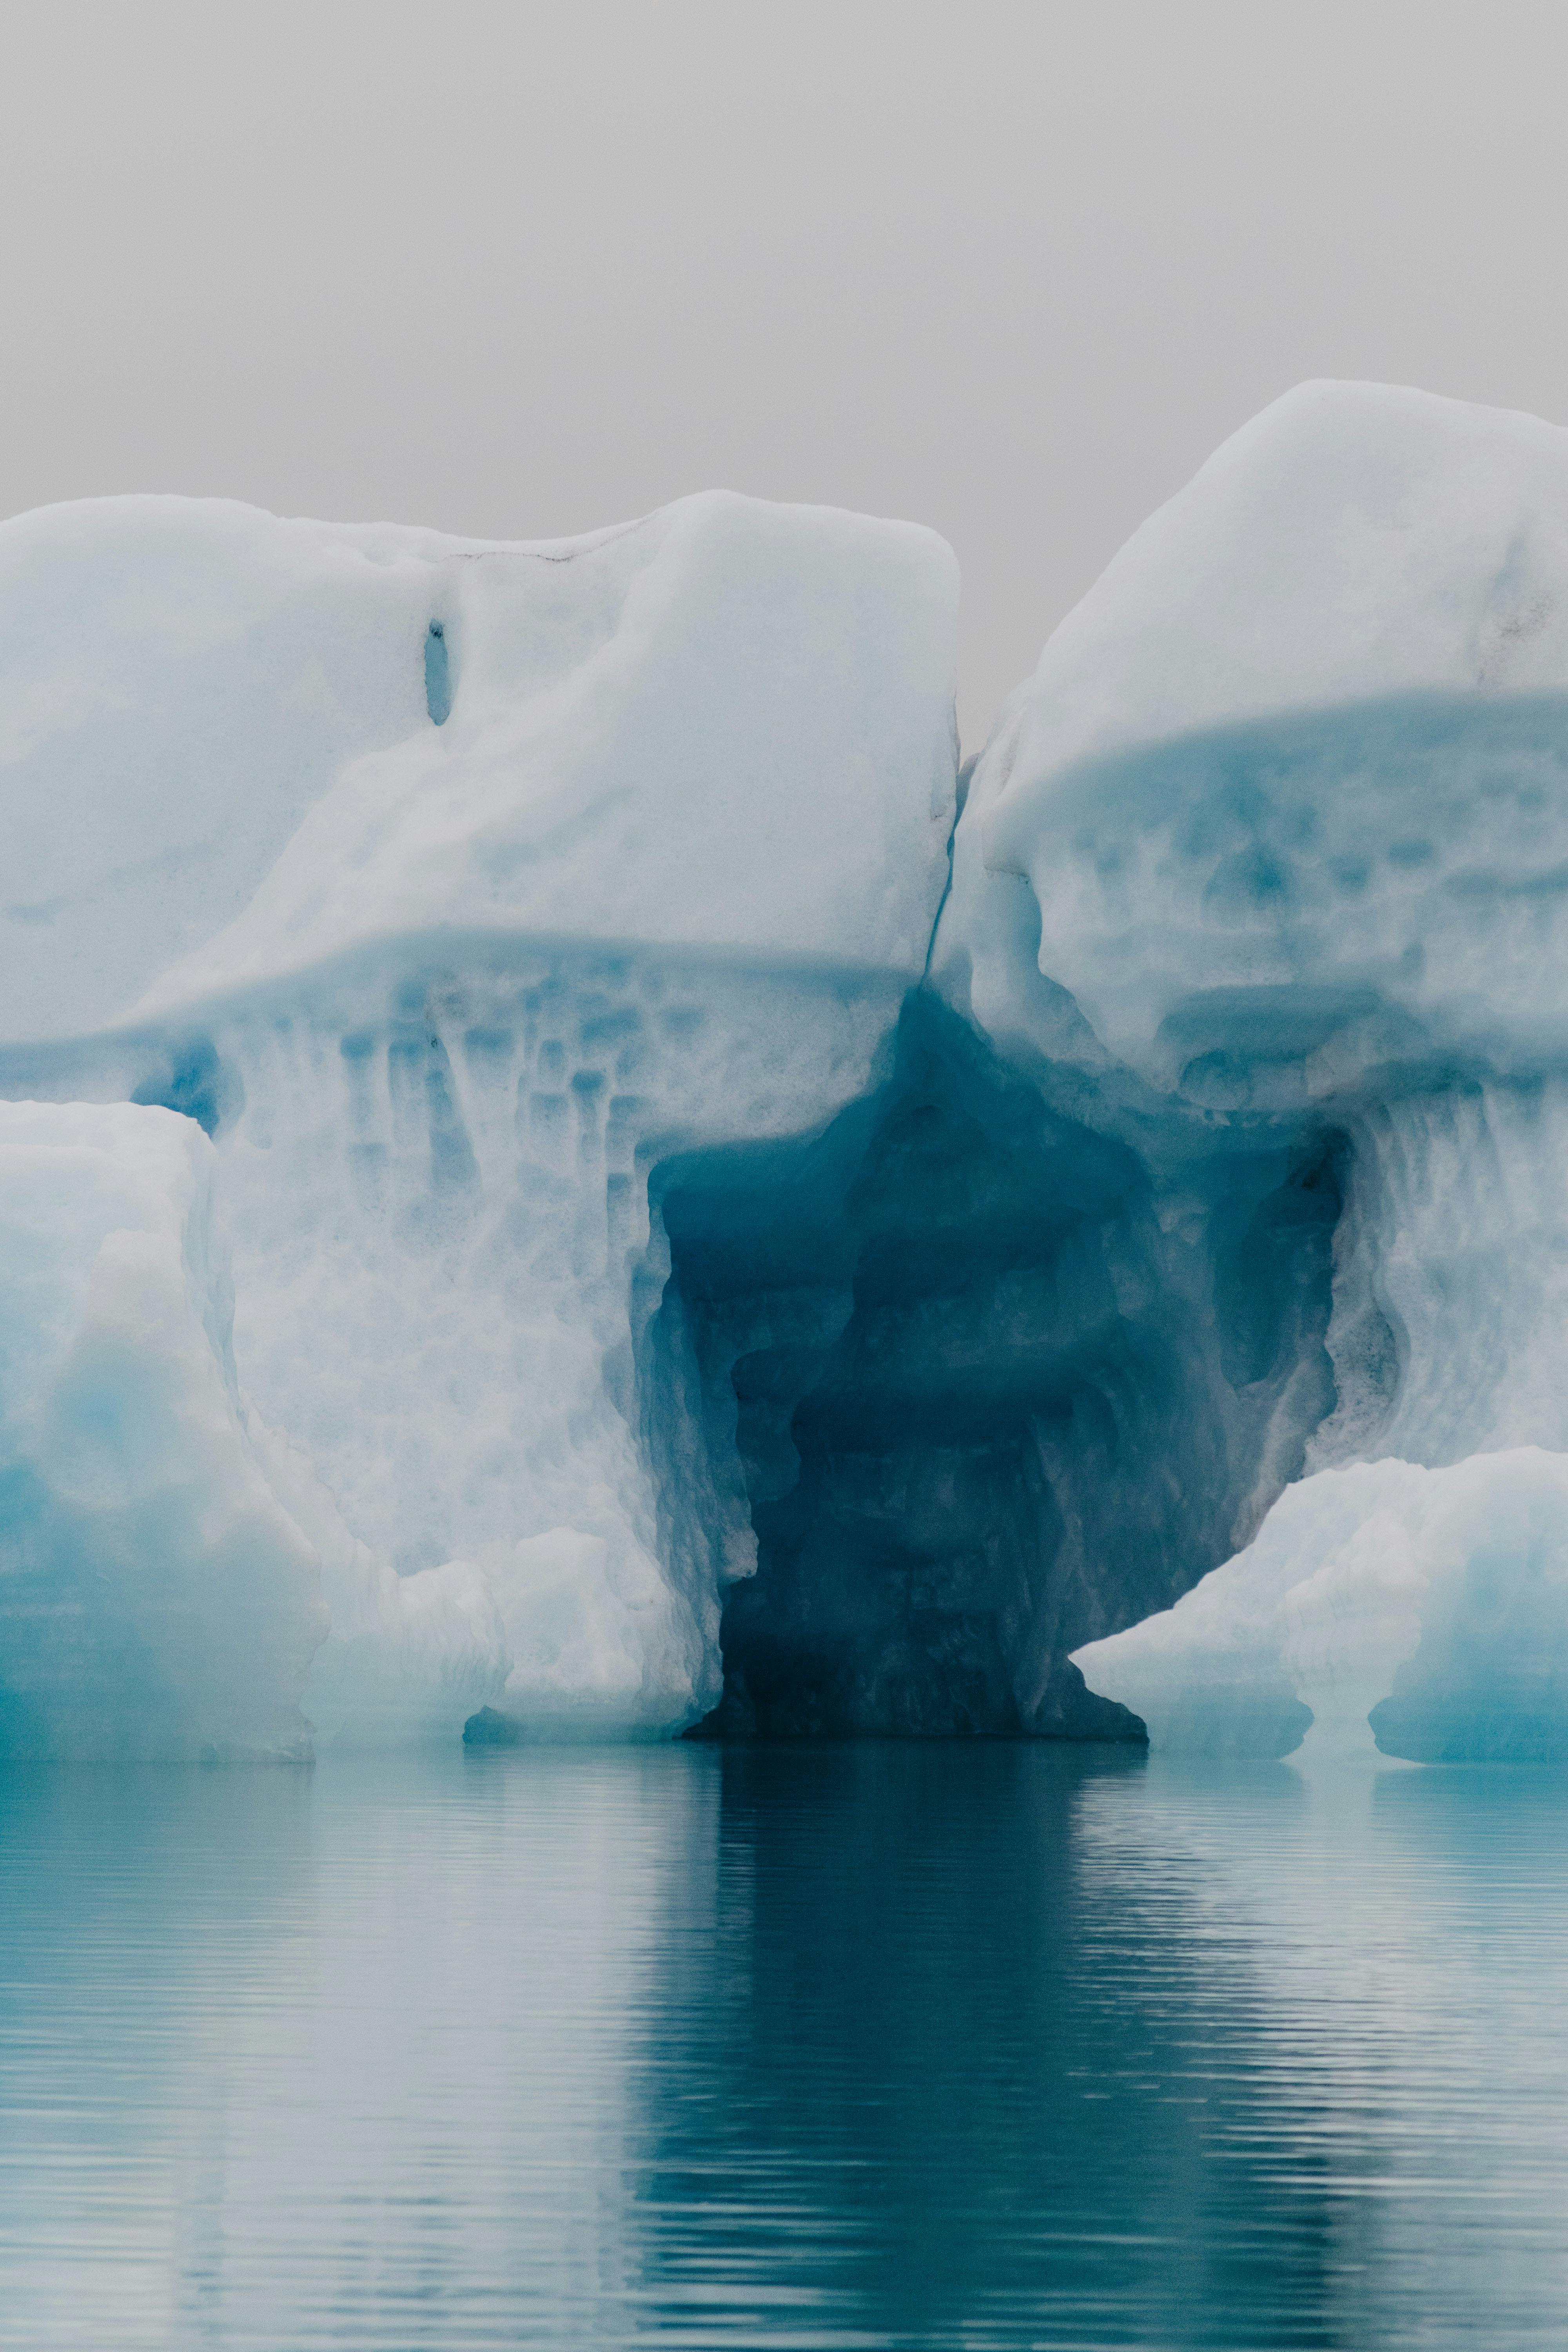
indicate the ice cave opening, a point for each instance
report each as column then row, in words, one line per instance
column 964, row 1380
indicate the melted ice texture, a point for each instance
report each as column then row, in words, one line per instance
column 545, row 1185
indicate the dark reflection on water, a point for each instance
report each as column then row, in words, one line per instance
column 975, row 2047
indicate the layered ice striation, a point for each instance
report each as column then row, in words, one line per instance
column 734, row 1222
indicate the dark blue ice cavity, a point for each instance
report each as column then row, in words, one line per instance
column 437, row 674
column 988, row 1395
column 194, row 1082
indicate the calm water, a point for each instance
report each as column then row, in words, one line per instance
column 875, row 2046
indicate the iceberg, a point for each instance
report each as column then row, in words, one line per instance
column 155, row 1598
column 682, row 1207
column 438, row 891
column 1382, row 1609
column 1287, row 787
column 1275, row 842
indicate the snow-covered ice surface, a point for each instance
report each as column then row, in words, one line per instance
column 669, row 1273
column 1288, row 787
column 727, row 725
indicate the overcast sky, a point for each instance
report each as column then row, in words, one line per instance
column 520, row 269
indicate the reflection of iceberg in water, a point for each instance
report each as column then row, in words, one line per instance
column 1366, row 1954
column 280, row 2045
column 892, row 2045
column 959, row 2061
column 1023, row 2047
column 140, row 1910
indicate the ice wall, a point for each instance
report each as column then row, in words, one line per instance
column 447, row 886
column 1287, row 788
column 713, row 1239
column 1278, row 836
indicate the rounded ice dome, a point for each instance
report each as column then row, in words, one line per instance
column 1290, row 788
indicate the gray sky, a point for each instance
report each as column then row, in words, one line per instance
column 1012, row 270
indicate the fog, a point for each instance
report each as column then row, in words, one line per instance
column 516, row 270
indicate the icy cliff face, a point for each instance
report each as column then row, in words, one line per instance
column 712, row 1240
column 447, row 889
column 1278, row 837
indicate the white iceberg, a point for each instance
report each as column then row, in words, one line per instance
column 1276, row 840
column 1285, row 796
column 154, row 1597
column 704, row 1225
column 1421, row 1613
column 174, row 1580
column 726, row 729
column 448, row 886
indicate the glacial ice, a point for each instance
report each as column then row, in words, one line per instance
column 727, row 729
column 1275, row 841
column 444, row 955
column 992, row 1384
column 1384, row 1606
column 156, row 1598
column 714, row 1238
column 1287, row 787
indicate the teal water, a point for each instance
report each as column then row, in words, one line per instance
column 882, row 2046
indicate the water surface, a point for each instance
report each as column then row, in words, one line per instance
column 877, row 2046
